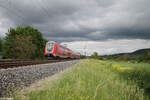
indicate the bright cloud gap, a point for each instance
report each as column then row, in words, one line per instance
column 108, row 47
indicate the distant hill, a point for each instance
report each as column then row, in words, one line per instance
column 137, row 52
column 141, row 55
column 141, row 51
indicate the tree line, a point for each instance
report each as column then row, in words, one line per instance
column 143, row 57
column 23, row 43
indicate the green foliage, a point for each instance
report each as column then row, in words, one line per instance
column 82, row 56
column 33, row 35
column 23, row 48
column 125, row 57
column 95, row 55
column 1, row 45
column 139, row 73
column 141, row 76
column 145, row 57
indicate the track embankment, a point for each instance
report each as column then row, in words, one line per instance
column 16, row 78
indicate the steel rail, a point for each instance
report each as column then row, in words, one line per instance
column 21, row 63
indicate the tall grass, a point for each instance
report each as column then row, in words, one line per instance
column 87, row 80
column 139, row 73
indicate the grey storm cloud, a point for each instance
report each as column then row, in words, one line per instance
column 73, row 20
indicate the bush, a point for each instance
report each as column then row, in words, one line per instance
column 140, row 75
column 95, row 55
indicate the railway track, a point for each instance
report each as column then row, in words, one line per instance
column 19, row 63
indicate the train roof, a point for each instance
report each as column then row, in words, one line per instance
column 51, row 42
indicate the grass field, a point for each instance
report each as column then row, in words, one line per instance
column 139, row 73
column 88, row 80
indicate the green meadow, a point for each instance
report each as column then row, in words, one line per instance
column 92, row 79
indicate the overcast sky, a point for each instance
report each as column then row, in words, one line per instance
column 104, row 26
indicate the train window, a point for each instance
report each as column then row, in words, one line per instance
column 50, row 47
column 63, row 47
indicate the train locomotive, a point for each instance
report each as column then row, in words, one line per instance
column 55, row 50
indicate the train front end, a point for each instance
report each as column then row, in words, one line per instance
column 49, row 49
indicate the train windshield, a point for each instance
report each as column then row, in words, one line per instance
column 50, row 47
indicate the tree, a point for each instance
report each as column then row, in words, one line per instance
column 23, row 48
column 95, row 55
column 33, row 35
column 1, row 45
column 82, row 56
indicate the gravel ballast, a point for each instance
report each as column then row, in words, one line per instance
column 16, row 78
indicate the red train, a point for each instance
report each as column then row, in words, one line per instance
column 53, row 49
